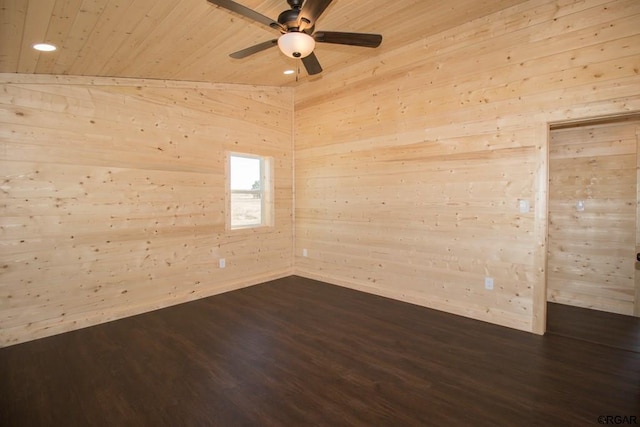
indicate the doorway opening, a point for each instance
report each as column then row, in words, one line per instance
column 593, row 277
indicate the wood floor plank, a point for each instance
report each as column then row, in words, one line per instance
column 599, row 327
column 295, row 352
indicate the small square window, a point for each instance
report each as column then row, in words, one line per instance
column 250, row 189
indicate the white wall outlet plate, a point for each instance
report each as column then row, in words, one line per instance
column 488, row 283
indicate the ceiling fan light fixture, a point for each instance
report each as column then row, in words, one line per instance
column 296, row 44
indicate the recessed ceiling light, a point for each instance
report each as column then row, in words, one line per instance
column 44, row 47
column 288, row 72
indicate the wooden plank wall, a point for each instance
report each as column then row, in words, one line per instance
column 114, row 197
column 592, row 248
column 410, row 166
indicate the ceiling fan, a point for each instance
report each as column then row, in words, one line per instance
column 296, row 26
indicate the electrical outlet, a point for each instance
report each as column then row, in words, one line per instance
column 222, row 263
column 305, row 253
column 488, row 283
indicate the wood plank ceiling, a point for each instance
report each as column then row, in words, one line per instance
column 191, row 40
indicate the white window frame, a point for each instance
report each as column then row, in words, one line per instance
column 265, row 193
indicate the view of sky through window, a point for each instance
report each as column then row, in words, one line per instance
column 245, row 171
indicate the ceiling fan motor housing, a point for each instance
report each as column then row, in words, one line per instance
column 289, row 18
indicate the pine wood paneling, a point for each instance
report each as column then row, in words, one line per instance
column 410, row 166
column 114, row 197
column 592, row 252
column 410, row 159
column 191, row 39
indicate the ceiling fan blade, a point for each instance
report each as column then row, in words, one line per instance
column 311, row 11
column 248, row 13
column 352, row 39
column 254, row 49
column 311, row 64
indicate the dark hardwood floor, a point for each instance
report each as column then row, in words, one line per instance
column 296, row 352
column 598, row 327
